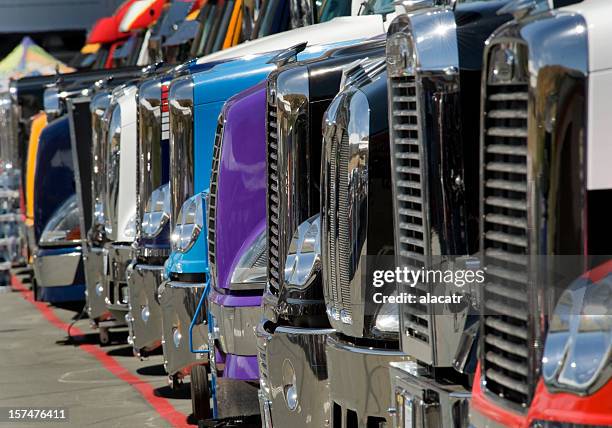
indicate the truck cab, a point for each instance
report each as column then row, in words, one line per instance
column 555, row 378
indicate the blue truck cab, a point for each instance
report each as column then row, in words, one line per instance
column 58, row 266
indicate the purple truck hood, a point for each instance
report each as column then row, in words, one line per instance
column 241, row 186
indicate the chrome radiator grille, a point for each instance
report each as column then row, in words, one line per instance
column 408, row 170
column 506, row 336
column 274, row 251
column 409, row 194
column 339, row 231
column 212, row 201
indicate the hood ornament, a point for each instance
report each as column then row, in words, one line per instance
column 288, row 55
column 522, row 8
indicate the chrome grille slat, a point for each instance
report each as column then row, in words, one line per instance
column 508, row 382
column 506, row 185
column 506, row 292
column 509, row 96
column 507, row 132
column 505, row 363
column 504, row 149
column 505, row 327
column 506, row 346
column 506, row 238
column 505, row 226
column 507, row 114
column 506, row 203
column 505, row 220
column 505, row 256
column 503, row 307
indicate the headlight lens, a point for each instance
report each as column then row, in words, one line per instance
column 508, row 64
column 579, row 343
column 189, row 224
column 558, row 336
column 387, row 319
column 64, row 226
column 401, row 58
column 304, row 255
column 251, row 270
column 157, row 211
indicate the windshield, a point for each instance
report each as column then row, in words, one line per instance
column 330, row 9
column 377, row 7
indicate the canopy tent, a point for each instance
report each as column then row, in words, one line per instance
column 28, row 59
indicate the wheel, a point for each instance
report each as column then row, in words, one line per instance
column 200, row 393
column 104, row 336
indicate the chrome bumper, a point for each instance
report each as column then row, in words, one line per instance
column 293, row 357
column 144, row 318
column 56, row 270
column 235, row 328
column 413, row 400
column 117, row 295
column 359, row 383
column 95, row 280
column 178, row 302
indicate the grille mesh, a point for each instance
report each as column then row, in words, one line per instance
column 339, row 231
column 273, row 200
column 212, row 202
column 506, row 341
column 409, row 192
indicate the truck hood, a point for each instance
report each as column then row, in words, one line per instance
column 337, row 30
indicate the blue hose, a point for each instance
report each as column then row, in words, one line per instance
column 213, row 374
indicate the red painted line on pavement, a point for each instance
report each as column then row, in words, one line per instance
column 162, row 406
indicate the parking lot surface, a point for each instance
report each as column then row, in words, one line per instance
column 98, row 386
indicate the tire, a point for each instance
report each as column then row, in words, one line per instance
column 200, row 393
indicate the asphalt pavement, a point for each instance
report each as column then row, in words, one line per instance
column 40, row 367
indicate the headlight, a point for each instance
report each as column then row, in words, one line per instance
column 401, row 58
column 579, row 342
column 64, row 226
column 387, row 319
column 189, row 224
column 304, row 254
column 508, row 64
column 251, row 270
column 157, row 211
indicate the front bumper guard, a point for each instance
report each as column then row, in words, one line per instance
column 294, row 385
column 119, row 256
column 96, row 285
column 145, row 318
column 420, row 401
column 359, row 382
